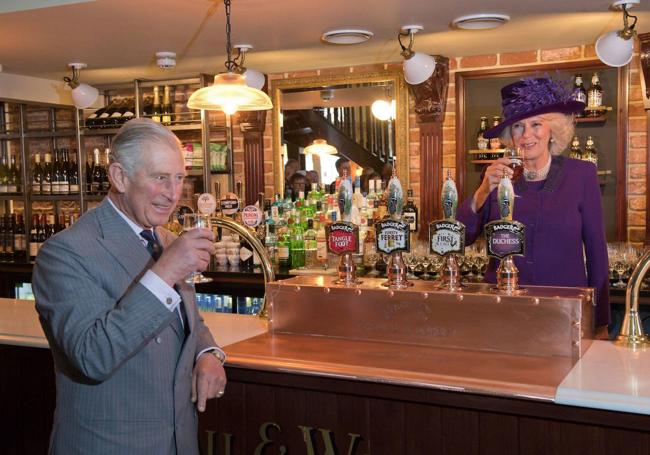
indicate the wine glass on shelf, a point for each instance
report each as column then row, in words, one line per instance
column 196, row 221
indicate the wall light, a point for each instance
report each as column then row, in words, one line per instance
column 616, row 47
column 254, row 78
column 229, row 93
column 418, row 67
column 83, row 95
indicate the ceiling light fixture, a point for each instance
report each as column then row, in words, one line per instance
column 320, row 147
column 616, row 47
column 347, row 36
column 481, row 21
column 83, row 95
column 384, row 108
column 418, row 67
column 166, row 60
column 254, row 78
column 229, row 93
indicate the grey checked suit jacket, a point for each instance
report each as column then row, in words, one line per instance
column 123, row 372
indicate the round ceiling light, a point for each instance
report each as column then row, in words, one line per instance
column 480, row 21
column 347, row 36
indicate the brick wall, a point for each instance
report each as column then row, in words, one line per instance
column 637, row 153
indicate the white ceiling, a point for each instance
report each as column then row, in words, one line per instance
column 118, row 38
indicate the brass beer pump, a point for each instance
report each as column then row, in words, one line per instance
column 631, row 334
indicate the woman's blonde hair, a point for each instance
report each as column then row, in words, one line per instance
column 562, row 129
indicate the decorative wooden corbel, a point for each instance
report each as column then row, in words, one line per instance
column 430, row 99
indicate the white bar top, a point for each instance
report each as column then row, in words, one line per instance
column 609, row 377
column 19, row 325
column 606, row 377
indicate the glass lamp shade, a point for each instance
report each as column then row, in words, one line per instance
column 229, row 94
column 254, row 78
column 418, row 68
column 84, row 95
column 613, row 50
column 384, row 110
column 320, row 147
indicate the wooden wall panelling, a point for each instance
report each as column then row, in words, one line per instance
column 430, row 99
column 252, row 125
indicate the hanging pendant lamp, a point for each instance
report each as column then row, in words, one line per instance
column 229, row 93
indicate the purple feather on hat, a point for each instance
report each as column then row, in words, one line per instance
column 535, row 92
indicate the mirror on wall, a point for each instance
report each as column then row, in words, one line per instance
column 360, row 117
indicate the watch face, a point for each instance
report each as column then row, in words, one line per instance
column 219, row 355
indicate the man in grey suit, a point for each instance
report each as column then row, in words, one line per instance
column 130, row 349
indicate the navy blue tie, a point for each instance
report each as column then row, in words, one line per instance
column 153, row 247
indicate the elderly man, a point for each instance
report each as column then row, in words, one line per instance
column 130, row 349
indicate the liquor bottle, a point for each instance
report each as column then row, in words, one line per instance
column 314, row 195
column 575, row 152
column 46, row 182
column 594, row 97
column 357, row 198
column 369, row 247
column 495, row 142
column 589, row 153
column 311, row 246
column 73, row 173
column 156, row 109
column 321, row 247
column 284, row 247
column 37, row 175
column 167, row 109
column 20, row 243
column 96, row 174
column 271, row 244
column 4, row 175
column 482, row 143
column 106, row 183
column 410, row 212
column 33, row 238
column 579, row 92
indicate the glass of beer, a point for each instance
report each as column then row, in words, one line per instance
column 196, row 221
column 516, row 156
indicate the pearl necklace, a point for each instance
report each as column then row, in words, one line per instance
column 540, row 174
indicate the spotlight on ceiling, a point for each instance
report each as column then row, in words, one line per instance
column 615, row 48
column 481, row 21
column 418, row 67
column 166, row 60
column 83, row 95
column 347, row 36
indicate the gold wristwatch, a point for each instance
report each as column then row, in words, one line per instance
column 219, row 355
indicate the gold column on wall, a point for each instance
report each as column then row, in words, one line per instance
column 644, row 40
column 430, row 102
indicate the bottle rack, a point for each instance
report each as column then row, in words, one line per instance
column 59, row 126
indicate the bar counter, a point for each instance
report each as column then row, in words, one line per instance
column 315, row 382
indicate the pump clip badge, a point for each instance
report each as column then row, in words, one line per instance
column 342, row 237
column 505, row 238
column 391, row 236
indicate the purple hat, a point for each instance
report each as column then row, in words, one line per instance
column 533, row 96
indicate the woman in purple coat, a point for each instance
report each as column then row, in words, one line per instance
column 558, row 197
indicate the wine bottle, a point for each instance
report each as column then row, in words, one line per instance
column 115, row 118
column 8, row 241
column 37, row 175
column 3, row 240
column 13, row 177
column 64, row 173
column 46, row 183
column 156, row 111
column 128, row 110
column 4, row 174
column 106, row 184
column 20, row 243
column 73, row 173
column 97, row 175
column 89, row 172
column 93, row 119
column 33, row 238
column 103, row 119
column 56, row 176
column 167, row 109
